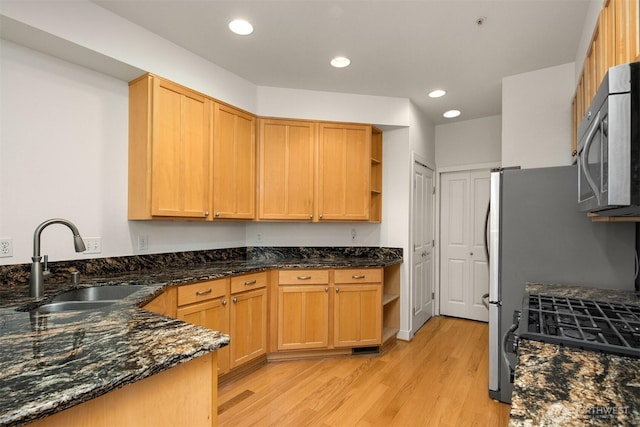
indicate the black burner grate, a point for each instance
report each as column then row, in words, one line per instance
column 593, row 325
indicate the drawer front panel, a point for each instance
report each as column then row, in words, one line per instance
column 359, row 275
column 247, row 282
column 303, row 277
column 201, row 291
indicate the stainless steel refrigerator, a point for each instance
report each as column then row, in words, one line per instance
column 537, row 234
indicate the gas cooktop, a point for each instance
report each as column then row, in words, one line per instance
column 582, row 323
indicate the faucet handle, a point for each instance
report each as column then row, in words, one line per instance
column 45, row 265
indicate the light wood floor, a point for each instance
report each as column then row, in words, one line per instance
column 438, row 379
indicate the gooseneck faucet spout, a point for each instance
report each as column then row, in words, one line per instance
column 36, row 288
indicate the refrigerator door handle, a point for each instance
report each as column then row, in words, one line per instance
column 494, row 238
column 505, row 350
column 485, row 300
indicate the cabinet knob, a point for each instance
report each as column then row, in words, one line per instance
column 217, row 214
column 326, row 289
column 311, row 216
column 320, row 216
column 337, row 290
column 224, row 302
column 206, row 213
column 235, row 300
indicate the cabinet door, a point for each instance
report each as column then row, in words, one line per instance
column 357, row 315
column 248, row 326
column 344, row 163
column 180, row 151
column 213, row 315
column 303, row 317
column 234, row 164
column 286, row 156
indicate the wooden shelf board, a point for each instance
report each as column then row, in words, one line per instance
column 389, row 333
column 387, row 298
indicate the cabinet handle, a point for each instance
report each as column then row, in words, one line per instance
column 224, row 302
column 235, row 300
column 250, row 282
column 217, row 214
column 337, row 290
column 358, row 276
column 304, row 277
column 208, row 291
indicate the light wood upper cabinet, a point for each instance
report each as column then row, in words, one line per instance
column 169, row 140
column 344, row 161
column 615, row 41
column 234, row 164
column 286, row 153
column 192, row 157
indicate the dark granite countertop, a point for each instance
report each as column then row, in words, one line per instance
column 562, row 386
column 51, row 362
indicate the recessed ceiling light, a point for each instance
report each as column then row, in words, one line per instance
column 241, row 27
column 451, row 114
column 437, row 93
column 340, row 62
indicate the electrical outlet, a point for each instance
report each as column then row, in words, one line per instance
column 259, row 237
column 6, row 248
column 143, row 243
column 93, row 245
column 353, row 234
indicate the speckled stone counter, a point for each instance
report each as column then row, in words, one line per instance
column 562, row 386
column 51, row 362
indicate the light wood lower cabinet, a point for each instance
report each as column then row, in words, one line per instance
column 248, row 326
column 357, row 314
column 214, row 315
column 341, row 308
column 304, row 311
column 186, row 395
column 236, row 306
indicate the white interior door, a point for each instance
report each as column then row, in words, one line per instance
column 422, row 257
column 464, row 271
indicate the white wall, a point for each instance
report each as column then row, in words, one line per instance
column 536, row 117
column 469, row 142
column 63, row 153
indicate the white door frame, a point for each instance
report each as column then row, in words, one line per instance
column 439, row 173
column 417, row 158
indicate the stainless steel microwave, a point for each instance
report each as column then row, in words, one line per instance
column 609, row 146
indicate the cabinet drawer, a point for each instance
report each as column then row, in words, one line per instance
column 248, row 282
column 303, row 277
column 201, row 291
column 359, row 275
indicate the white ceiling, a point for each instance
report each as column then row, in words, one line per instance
column 397, row 48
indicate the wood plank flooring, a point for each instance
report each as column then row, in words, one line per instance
column 438, row 379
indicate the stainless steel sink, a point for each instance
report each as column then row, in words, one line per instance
column 87, row 298
column 57, row 306
column 98, row 293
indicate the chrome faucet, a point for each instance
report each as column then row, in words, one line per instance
column 36, row 288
